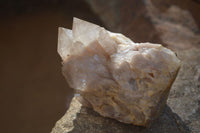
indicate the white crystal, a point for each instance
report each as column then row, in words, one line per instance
column 121, row 79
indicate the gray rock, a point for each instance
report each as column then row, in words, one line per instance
column 81, row 119
column 184, row 98
column 177, row 23
column 163, row 26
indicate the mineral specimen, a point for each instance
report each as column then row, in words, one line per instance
column 127, row 81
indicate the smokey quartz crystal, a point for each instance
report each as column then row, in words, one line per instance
column 119, row 78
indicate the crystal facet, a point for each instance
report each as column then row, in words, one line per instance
column 121, row 79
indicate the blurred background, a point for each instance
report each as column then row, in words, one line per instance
column 33, row 92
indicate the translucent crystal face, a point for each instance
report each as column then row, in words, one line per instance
column 121, row 79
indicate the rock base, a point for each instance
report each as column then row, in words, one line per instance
column 81, row 119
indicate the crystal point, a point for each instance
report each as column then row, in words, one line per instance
column 121, row 79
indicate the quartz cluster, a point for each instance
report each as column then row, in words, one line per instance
column 127, row 81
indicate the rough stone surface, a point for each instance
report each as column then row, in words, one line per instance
column 176, row 22
column 177, row 28
column 182, row 117
column 164, row 20
column 80, row 119
column 121, row 79
column 191, row 6
column 184, row 98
